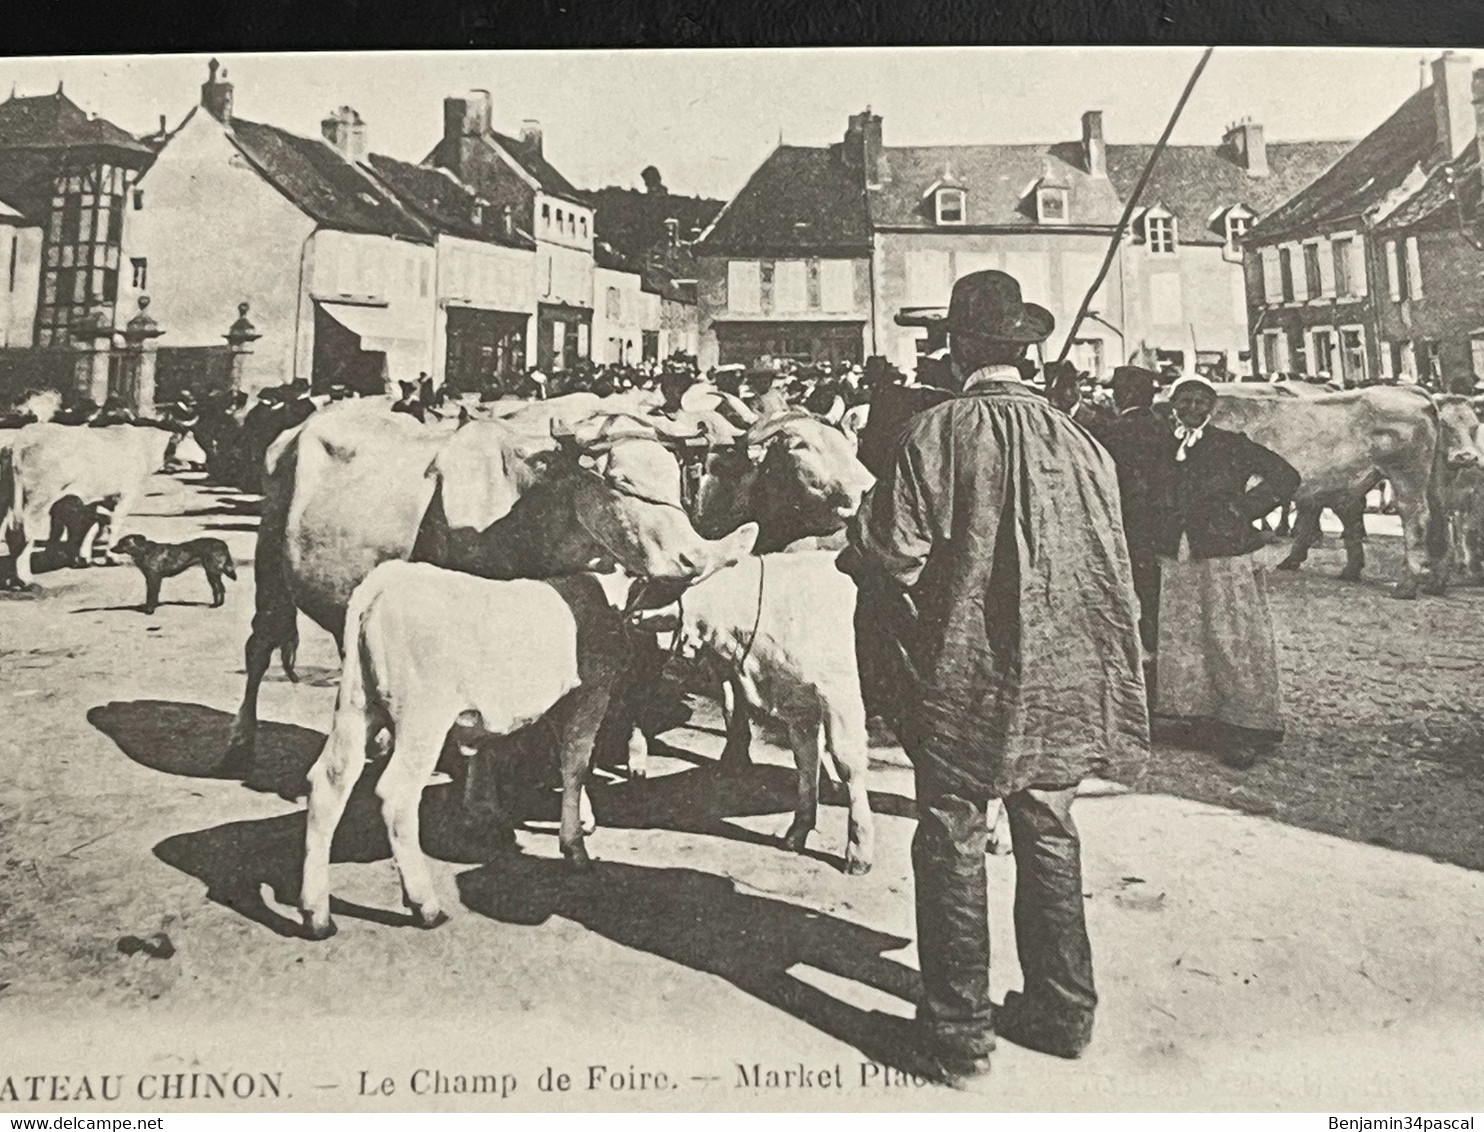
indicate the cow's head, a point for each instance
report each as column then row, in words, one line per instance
column 1458, row 432
column 627, row 497
column 808, row 468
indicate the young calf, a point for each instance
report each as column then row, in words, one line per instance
column 430, row 651
column 157, row 561
column 783, row 625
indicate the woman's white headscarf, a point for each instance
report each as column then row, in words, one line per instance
column 1190, row 436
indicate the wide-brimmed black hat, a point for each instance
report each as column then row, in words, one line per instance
column 988, row 304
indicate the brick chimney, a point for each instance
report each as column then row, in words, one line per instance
column 464, row 120
column 216, row 96
column 1452, row 105
column 530, row 134
column 1094, row 149
column 1248, row 148
column 863, row 146
column 345, row 130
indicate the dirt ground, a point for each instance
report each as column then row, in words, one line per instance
column 1304, row 936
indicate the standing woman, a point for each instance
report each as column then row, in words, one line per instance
column 1217, row 663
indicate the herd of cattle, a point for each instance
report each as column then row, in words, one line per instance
column 523, row 562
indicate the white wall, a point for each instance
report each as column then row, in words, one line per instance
column 637, row 311
column 20, row 279
column 214, row 234
column 366, row 269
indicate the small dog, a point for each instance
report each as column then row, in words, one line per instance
column 163, row 560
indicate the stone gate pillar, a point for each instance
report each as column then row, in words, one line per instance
column 140, row 354
column 240, row 337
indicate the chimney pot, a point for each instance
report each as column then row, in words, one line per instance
column 1094, row 148
column 1248, row 147
column 530, row 134
column 216, row 95
column 346, row 131
column 1452, row 101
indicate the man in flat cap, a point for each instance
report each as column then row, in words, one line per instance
column 997, row 523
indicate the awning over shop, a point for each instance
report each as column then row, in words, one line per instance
column 374, row 326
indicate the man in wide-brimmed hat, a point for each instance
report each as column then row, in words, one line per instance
column 997, row 530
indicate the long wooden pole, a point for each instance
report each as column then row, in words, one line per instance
column 1133, row 203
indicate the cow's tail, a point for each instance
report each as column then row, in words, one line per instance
column 353, row 672
column 275, row 624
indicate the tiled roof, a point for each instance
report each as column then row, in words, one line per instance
column 26, row 180
column 54, row 121
column 1432, row 206
column 320, row 181
column 444, row 203
column 1378, row 165
column 1000, row 181
column 800, row 198
column 1196, row 182
column 535, row 163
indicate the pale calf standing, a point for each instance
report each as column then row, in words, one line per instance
column 784, row 625
column 430, row 651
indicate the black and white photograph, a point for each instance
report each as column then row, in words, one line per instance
column 834, row 579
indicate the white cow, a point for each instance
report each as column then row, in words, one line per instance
column 429, row 652
column 783, row 625
column 44, row 463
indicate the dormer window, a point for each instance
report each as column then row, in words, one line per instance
column 1159, row 232
column 949, row 205
column 1233, row 223
column 1051, row 204
column 478, row 214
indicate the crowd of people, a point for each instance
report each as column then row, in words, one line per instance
column 1044, row 566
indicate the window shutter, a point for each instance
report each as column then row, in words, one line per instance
column 1272, row 283
column 1300, row 273
column 1393, row 272
column 1357, row 266
column 1326, row 269
column 1414, row 268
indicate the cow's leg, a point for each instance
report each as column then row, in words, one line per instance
column 638, row 757
column 486, row 759
column 1351, row 513
column 737, row 754
column 1285, row 521
column 1412, row 506
column 273, row 628
column 845, row 736
column 805, row 738
column 416, row 745
column 20, row 549
column 331, row 780
column 576, row 721
column 1305, row 535
column 999, row 843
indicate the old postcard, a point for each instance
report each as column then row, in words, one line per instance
column 825, row 580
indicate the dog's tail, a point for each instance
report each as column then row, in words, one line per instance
column 228, row 569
